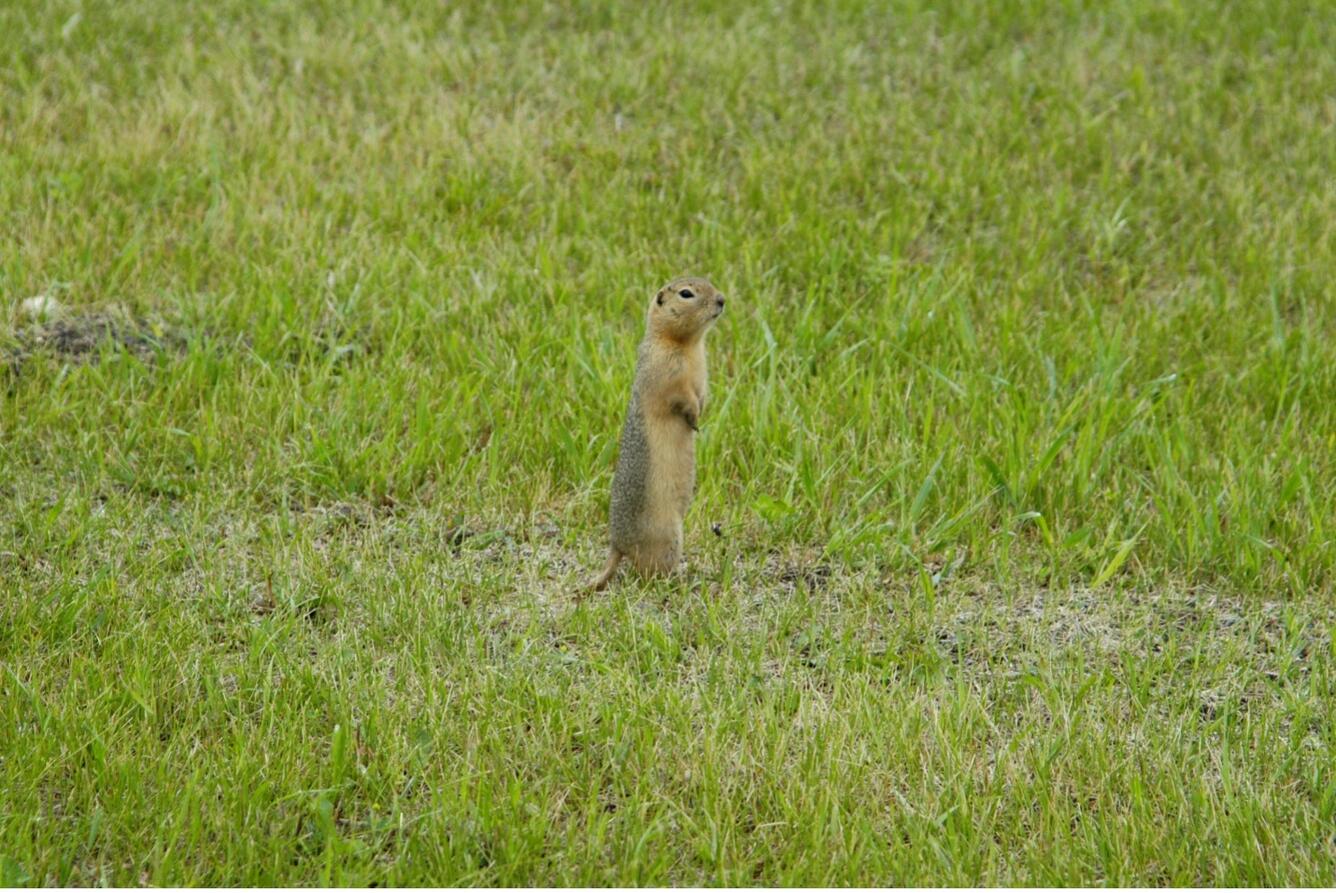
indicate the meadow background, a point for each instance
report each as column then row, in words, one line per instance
column 1021, row 446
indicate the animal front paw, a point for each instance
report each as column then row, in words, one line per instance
column 688, row 413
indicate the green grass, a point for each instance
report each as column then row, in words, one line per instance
column 1023, row 443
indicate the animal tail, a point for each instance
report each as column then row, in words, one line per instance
column 609, row 569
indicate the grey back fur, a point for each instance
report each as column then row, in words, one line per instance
column 630, row 479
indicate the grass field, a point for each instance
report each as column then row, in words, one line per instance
column 1022, row 445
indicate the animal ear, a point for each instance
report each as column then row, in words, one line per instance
column 659, row 300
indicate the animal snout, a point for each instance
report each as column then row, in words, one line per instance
column 719, row 300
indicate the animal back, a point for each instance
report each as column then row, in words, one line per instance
column 630, row 483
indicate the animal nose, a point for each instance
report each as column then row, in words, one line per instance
column 719, row 300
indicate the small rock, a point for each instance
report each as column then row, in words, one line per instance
column 40, row 308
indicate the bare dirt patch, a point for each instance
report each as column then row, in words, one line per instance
column 83, row 338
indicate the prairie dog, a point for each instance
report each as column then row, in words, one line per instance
column 656, row 465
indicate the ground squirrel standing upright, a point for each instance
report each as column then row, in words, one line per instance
column 656, row 467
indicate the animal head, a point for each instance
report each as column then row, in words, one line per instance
column 685, row 308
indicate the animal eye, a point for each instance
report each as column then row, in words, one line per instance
column 687, row 293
